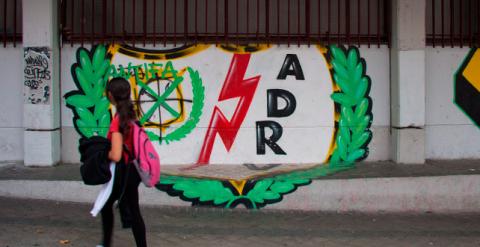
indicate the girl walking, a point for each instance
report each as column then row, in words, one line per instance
column 126, row 179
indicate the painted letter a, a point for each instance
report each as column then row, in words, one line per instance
column 291, row 66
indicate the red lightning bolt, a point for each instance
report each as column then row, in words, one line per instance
column 234, row 86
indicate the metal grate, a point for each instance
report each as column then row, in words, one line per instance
column 10, row 22
column 226, row 21
column 453, row 23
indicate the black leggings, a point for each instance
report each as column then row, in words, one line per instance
column 128, row 205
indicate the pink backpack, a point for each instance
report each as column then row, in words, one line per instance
column 146, row 159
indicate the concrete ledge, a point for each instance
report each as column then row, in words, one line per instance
column 76, row 191
column 440, row 194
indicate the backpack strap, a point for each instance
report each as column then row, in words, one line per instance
column 131, row 155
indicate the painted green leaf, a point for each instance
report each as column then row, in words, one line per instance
column 345, row 132
column 83, row 81
column 191, row 193
column 261, row 186
column 183, row 186
column 222, row 199
column 258, row 192
column 282, row 187
column 206, row 195
column 342, row 147
column 338, row 54
column 101, row 108
column 98, row 56
column 361, row 88
column 257, row 198
column 101, row 71
column 362, row 124
column 204, row 190
column 299, row 181
column 335, row 157
column 352, row 59
column 85, row 61
column 361, row 108
column 87, row 117
column 343, row 99
column 357, row 74
column 111, row 72
column 78, row 100
column 347, row 115
column 269, row 195
column 359, row 140
column 353, row 156
column 343, row 83
column 98, row 89
column 103, row 125
column 84, row 128
column 340, row 69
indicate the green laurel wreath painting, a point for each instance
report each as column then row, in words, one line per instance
column 89, row 104
column 198, row 100
column 352, row 136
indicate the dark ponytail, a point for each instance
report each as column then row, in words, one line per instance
column 120, row 91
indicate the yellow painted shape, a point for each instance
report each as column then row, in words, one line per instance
column 158, row 54
column 238, row 185
column 243, row 49
column 336, row 115
column 472, row 71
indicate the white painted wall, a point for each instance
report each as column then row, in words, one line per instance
column 377, row 61
column 378, row 64
column 450, row 134
column 11, row 107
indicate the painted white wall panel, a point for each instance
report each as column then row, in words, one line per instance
column 450, row 134
column 378, row 68
column 11, row 107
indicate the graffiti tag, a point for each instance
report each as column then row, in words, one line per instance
column 37, row 75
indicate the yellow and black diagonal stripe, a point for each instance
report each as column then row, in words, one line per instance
column 467, row 86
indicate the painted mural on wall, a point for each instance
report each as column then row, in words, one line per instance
column 37, row 75
column 467, row 86
column 235, row 124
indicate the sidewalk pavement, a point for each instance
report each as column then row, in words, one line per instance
column 437, row 186
column 42, row 223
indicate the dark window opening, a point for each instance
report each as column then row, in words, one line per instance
column 453, row 23
column 10, row 22
column 158, row 22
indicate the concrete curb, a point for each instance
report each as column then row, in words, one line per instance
column 439, row 194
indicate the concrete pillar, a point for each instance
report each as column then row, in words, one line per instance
column 408, row 81
column 41, row 109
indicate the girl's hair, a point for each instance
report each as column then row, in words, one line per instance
column 119, row 87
